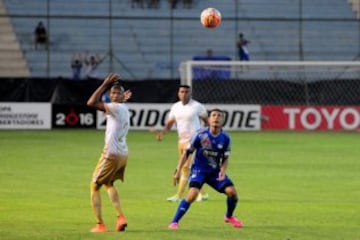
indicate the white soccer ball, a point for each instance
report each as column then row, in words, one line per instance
column 210, row 17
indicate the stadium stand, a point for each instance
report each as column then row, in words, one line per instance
column 144, row 43
column 355, row 5
column 12, row 61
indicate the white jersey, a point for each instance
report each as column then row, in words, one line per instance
column 187, row 118
column 117, row 127
column 92, row 71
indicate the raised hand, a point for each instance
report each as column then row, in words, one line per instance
column 111, row 78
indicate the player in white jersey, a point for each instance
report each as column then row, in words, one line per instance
column 187, row 114
column 112, row 162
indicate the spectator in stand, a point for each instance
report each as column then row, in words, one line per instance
column 154, row 4
column 76, row 66
column 173, row 3
column 92, row 63
column 137, row 3
column 243, row 51
column 188, row 3
column 41, row 36
column 209, row 53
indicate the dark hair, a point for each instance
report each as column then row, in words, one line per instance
column 216, row 110
column 184, row 86
column 116, row 85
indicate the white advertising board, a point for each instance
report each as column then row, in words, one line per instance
column 144, row 116
column 25, row 115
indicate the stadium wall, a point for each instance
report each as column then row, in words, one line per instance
column 68, row 91
column 147, row 116
column 60, row 103
column 265, row 92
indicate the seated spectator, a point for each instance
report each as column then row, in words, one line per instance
column 76, row 66
column 187, row 3
column 41, row 37
column 214, row 72
column 173, row 3
column 209, row 53
column 153, row 3
column 137, row 3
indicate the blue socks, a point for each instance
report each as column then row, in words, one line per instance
column 181, row 210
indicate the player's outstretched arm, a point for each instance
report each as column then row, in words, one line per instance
column 168, row 126
column 95, row 99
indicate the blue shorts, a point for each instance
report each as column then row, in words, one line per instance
column 243, row 56
column 198, row 178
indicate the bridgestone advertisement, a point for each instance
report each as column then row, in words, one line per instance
column 147, row 116
column 25, row 116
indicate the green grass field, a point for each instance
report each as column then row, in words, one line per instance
column 291, row 186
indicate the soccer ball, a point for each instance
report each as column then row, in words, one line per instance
column 210, row 17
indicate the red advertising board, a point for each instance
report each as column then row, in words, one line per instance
column 310, row 118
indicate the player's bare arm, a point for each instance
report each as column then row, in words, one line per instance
column 223, row 167
column 95, row 99
column 205, row 119
column 168, row 126
column 179, row 166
